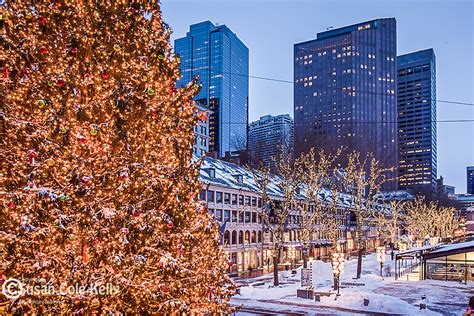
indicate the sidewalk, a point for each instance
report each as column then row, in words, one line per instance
column 286, row 307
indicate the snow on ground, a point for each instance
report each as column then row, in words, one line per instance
column 386, row 296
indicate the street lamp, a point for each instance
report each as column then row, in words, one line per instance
column 381, row 257
column 337, row 267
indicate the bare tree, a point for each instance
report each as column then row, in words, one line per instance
column 388, row 219
column 428, row 219
column 276, row 210
column 363, row 180
column 315, row 206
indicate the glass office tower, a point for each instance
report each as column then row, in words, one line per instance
column 221, row 61
column 470, row 179
column 417, row 122
column 345, row 91
column 268, row 137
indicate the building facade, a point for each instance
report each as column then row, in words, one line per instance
column 268, row 137
column 220, row 60
column 232, row 196
column 465, row 201
column 417, row 122
column 470, row 179
column 201, row 132
column 444, row 190
column 345, row 91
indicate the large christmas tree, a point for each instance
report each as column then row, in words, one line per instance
column 97, row 183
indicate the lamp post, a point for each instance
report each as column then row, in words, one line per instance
column 337, row 268
column 381, row 257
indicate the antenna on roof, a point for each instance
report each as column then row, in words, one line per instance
column 330, row 28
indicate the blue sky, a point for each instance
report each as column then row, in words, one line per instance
column 269, row 28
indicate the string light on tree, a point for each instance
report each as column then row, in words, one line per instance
column 97, row 183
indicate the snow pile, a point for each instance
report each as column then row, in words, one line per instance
column 385, row 295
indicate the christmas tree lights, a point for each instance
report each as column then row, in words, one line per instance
column 97, row 183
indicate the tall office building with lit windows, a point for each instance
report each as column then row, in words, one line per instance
column 470, row 179
column 345, row 91
column 417, row 122
column 221, row 61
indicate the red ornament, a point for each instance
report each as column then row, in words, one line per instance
column 170, row 224
column 86, row 180
column 96, row 241
column 136, row 213
column 164, row 288
column 11, row 204
column 116, row 271
column 203, row 117
column 230, row 263
column 57, row 5
column 61, row 83
column 44, row 50
column 74, row 50
column 104, row 75
column 41, row 20
column 32, row 155
column 81, row 139
column 6, row 72
column 153, row 112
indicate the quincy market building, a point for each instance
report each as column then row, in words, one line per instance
column 233, row 197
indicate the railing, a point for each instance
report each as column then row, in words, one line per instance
column 407, row 270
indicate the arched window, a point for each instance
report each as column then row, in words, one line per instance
column 247, row 237
column 234, row 238
column 254, row 237
column 226, row 237
column 259, row 236
column 241, row 237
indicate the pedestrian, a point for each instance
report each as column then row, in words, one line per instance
column 470, row 308
column 392, row 253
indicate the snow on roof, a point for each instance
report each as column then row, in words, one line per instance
column 456, row 246
column 416, row 249
column 226, row 176
column 394, row 195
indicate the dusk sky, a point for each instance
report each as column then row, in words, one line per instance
column 270, row 28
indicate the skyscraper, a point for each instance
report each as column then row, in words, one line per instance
column 268, row 136
column 417, row 122
column 345, row 91
column 470, row 179
column 221, row 61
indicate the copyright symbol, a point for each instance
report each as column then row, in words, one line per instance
column 12, row 288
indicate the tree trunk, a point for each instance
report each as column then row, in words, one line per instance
column 305, row 256
column 335, row 283
column 360, row 247
column 275, row 270
column 359, row 262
